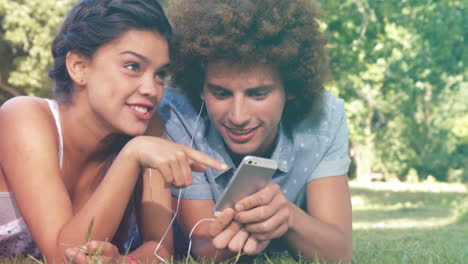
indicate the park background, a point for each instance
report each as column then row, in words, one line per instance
column 400, row 67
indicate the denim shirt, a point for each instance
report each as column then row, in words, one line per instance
column 317, row 147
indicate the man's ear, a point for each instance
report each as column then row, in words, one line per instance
column 77, row 66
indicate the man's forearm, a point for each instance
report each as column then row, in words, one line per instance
column 315, row 240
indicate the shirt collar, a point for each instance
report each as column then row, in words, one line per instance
column 284, row 150
column 216, row 143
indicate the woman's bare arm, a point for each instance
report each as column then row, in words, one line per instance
column 29, row 159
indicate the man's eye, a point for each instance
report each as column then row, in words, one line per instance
column 259, row 95
column 221, row 94
column 132, row 66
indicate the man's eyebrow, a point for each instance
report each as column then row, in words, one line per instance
column 261, row 87
column 214, row 86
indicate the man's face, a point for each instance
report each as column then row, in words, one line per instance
column 245, row 103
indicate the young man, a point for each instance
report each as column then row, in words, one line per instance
column 249, row 77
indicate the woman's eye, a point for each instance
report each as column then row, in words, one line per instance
column 162, row 75
column 132, row 66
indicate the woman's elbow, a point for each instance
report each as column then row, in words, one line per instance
column 53, row 256
column 52, row 252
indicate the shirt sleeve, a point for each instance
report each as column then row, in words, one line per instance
column 199, row 190
column 336, row 160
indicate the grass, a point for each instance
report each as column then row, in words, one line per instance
column 409, row 223
column 397, row 223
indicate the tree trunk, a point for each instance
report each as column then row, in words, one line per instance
column 362, row 158
column 363, row 152
column 9, row 90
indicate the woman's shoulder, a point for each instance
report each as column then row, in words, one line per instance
column 25, row 112
column 23, row 104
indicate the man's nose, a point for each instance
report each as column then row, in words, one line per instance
column 238, row 114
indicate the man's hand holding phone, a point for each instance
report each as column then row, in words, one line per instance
column 228, row 233
column 257, row 219
column 251, row 177
column 253, row 174
column 266, row 214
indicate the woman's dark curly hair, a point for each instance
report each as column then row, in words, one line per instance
column 94, row 23
column 282, row 33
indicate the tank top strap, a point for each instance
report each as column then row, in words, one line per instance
column 54, row 108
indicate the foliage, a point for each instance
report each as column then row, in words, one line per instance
column 29, row 28
column 399, row 65
column 460, row 129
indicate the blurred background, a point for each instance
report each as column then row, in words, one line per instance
column 399, row 66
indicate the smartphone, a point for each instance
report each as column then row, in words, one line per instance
column 253, row 174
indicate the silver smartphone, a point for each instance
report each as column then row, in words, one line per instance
column 253, row 174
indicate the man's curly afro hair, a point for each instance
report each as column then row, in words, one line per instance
column 284, row 34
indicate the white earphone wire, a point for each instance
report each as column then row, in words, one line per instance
column 178, row 200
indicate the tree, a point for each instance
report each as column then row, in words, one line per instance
column 399, row 67
column 28, row 28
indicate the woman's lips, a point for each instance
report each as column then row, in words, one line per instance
column 142, row 112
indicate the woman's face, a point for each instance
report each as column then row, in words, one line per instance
column 124, row 81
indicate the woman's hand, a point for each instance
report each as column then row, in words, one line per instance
column 94, row 252
column 174, row 162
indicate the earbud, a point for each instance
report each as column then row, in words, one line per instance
column 202, row 97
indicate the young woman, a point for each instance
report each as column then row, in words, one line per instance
column 73, row 162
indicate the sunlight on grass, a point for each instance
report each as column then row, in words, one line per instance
column 397, row 205
column 396, row 186
column 404, row 223
column 396, row 222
